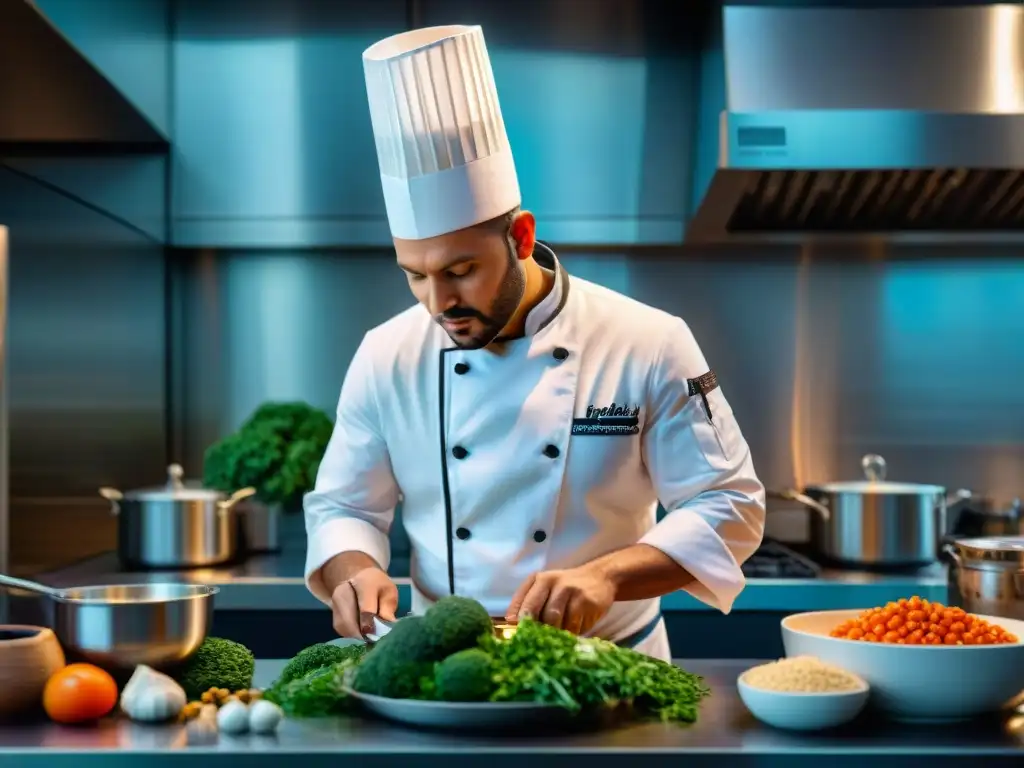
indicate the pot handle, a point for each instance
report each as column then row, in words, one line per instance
column 949, row 549
column 114, row 496
column 807, row 501
column 955, row 497
column 234, row 498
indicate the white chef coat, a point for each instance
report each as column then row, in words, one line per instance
column 506, row 463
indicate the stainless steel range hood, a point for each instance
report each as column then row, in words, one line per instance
column 54, row 101
column 904, row 124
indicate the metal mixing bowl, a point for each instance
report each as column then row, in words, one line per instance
column 119, row 626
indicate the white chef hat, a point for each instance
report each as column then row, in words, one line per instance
column 445, row 160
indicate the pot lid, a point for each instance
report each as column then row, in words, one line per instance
column 175, row 490
column 875, row 482
column 868, row 486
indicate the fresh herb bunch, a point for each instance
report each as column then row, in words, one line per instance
column 277, row 451
column 543, row 664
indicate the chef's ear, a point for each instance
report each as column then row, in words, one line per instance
column 524, row 232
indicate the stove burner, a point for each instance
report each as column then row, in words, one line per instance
column 773, row 560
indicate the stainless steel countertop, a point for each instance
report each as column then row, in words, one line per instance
column 275, row 583
column 724, row 730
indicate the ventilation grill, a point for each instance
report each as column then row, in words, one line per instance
column 954, row 200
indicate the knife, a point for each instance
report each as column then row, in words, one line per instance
column 380, row 628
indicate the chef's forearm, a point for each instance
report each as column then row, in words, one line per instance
column 343, row 567
column 641, row 572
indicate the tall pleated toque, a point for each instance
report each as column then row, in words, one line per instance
column 444, row 156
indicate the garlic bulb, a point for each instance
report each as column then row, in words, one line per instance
column 264, row 716
column 233, row 717
column 151, row 696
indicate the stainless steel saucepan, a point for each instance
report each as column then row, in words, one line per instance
column 177, row 525
column 987, row 575
column 875, row 522
column 118, row 626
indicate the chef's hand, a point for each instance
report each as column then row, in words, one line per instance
column 574, row 599
column 368, row 593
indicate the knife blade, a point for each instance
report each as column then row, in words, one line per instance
column 380, row 628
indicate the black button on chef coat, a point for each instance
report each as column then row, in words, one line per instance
column 459, row 452
column 539, row 536
column 551, row 451
column 462, row 533
column 560, row 353
column 461, row 368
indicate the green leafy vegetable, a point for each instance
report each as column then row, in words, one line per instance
column 317, row 656
column 277, row 451
column 318, row 693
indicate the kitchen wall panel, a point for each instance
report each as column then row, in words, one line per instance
column 85, row 370
column 129, row 41
column 272, row 132
column 272, row 129
column 599, row 105
column 917, row 356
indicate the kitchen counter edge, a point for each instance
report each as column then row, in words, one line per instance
column 274, row 583
column 724, row 730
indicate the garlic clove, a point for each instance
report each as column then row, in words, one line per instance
column 264, row 716
column 233, row 717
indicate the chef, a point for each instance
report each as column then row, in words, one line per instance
column 528, row 421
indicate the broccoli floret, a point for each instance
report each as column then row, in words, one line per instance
column 388, row 673
column 398, row 665
column 217, row 663
column 317, row 656
column 455, row 623
column 466, row 676
column 410, row 639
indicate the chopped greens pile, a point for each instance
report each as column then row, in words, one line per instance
column 452, row 654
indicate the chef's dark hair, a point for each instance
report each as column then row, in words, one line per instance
column 503, row 225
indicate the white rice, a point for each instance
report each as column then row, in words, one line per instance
column 801, row 674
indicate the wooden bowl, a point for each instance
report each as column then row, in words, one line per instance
column 28, row 657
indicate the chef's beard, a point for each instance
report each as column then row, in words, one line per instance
column 505, row 304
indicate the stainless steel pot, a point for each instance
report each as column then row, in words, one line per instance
column 986, row 575
column 980, row 516
column 118, row 626
column 876, row 523
column 176, row 525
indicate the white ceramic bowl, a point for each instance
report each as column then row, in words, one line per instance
column 802, row 711
column 916, row 683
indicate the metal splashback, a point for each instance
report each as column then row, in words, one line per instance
column 906, row 124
